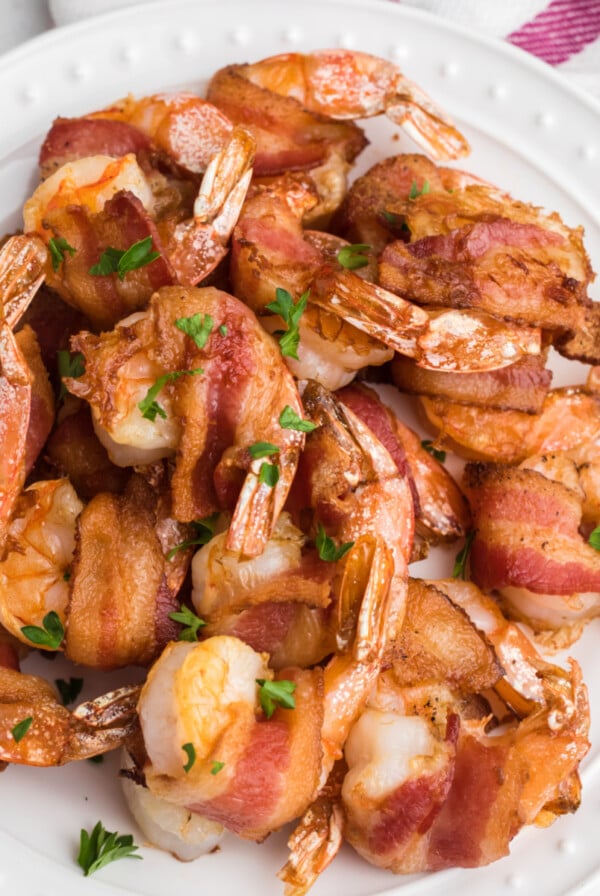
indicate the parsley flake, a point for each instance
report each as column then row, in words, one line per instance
column 72, row 365
column 289, row 419
column 428, row 445
column 289, row 339
column 594, row 539
column 191, row 622
column 263, row 449
column 205, row 530
column 276, row 693
column 102, row 847
column 223, row 330
column 415, row 192
column 327, row 549
column 51, row 635
column 216, row 767
column 198, row 327
column 353, row 257
column 148, row 406
column 58, row 246
column 190, row 751
column 69, row 689
column 268, row 475
column 120, row 262
column 460, row 563
column 21, row 729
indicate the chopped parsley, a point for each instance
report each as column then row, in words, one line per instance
column 276, row 693
column 428, row 445
column 72, row 365
column 415, row 192
column 50, row 635
column 289, row 339
column 327, row 549
column 289, row 419
column 268, row 475
column 69, row 689
column 58, row 246
column 190, row 751
column 190, row 621
column 120, row 262
column 263, row 449
column 594, row 538
column 102, row 847
column 148, row 406
column 353, row 257
column 460, row 564
column 198, row 327
column 21, row 729
column 216, row 767
column 205, row 530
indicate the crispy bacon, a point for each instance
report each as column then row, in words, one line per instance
column 504, row 267
column 522, row 386
column 527, row 533
column 123, row 587
column 276, row 774
column 288, row 137
column 122, row 222
column 76, row 138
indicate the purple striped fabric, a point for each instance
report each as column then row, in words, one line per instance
column 560, row 31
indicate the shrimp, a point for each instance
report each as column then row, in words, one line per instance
column 238, row 370
column 189, row 129
column 21, row 273
column 99, row 203
column 529, row 547
column 55, row 735
column 59, row 560
column 268, row 769
column 184, row 834
column 279, row 603
column 270, row 250
column 423, row 789
column 343, row 85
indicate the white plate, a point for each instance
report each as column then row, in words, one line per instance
column 531, row 133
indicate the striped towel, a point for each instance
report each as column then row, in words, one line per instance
column 564, row 33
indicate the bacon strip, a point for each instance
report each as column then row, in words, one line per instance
column 527, row 533
column 288, row 137
column 77, row 138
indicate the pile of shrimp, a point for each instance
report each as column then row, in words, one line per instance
column 216, row 485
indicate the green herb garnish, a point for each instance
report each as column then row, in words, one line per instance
column 58, row 246
column 428, row 445
column 191, row 622
column 51, row 635
column 21, row 729
column 353, row 257
column 276, row 693
column 414, row 190
column 460, row 564
column 289, row 339
column 198, row 327
column 327, row 549
column 594, row 539
column 268, row 475
column 216, row 767
column 223, row 329
column 263, row 449
column 149, row 407
column 69, row 689
column 120, row 262
column 190, row 751
column 289, row 419
column 205, row 530
column 102, row 847
column 68, row 364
